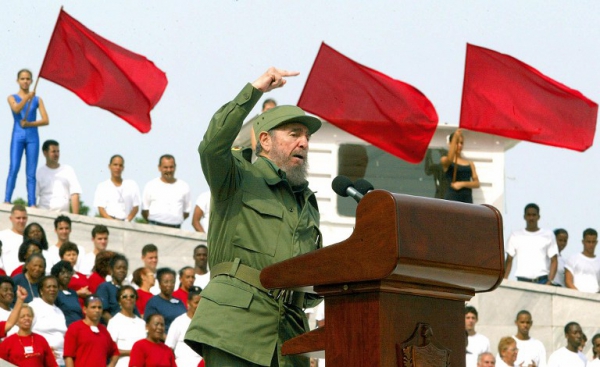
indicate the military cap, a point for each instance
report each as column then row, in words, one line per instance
column 280, row 115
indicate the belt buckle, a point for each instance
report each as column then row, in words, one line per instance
column 276, row 293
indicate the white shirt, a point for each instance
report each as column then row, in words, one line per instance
column 10, row 249
column 203, row 202
column 565, row 358
column 125, row 331
column 52, row 256
column 201, row 280
column 477, row 344
column 88, row 261
column 166, row 202
column 560, row 271
column 184, row 355
column 594, row 363
column 585, row 271
column 533, row 251
column 55, row 186
column 49, row 321
column 531, row 350
column 117, row 200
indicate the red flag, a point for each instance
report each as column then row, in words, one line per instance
column 391, row 115
column 103, row 74
column 506, row 97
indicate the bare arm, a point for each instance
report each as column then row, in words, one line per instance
column 569, row 279
column 507, row 266
column 69, row 362
column 185, row 216
column 18, row 107
column 113, row 361
column 14, row 314
column 132, row 213
column 42, row 122
column 553, row 268
column 198, row 213
column 145, row 214
column 103, row 213
column 473, row 184
column 447, row 160
column 75, row 203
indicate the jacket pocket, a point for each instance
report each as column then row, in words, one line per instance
column 227, row 294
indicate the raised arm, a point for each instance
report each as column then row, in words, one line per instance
column 13, row 317
column 18, row 107
column 447, row 160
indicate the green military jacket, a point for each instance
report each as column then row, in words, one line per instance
column 256, row 218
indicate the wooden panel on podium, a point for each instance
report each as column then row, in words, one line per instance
column 402, row 277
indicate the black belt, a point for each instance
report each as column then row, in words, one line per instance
column 164, row 224
column 534, row 280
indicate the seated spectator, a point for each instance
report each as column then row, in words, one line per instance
column 116, row 198
column 2, row 271
column 107, row 291
column 184, row 355
column 477, row 343
column 186, row 281
column 7, row 296
column 562, row 237
column 569, row 356
column 101, row 270
column 48, row 320
column 144, row 279
column 87, row 342
column 582, row 270
column 67, row 299
column 27, row 248
column 152, row 351
column 531, row 350
column 12, row 237
column 100, row 240
column 62, row 228
column 79, row 282
column 33, row 271
column 8, row 320
column 507, row 349
column 164, row 303
column 125, row 327
column 486, row 359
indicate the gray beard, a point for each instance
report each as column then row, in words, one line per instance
column 296, row 175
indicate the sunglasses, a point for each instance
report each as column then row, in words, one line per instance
column 126, row 296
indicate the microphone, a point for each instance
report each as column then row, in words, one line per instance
column 344, row 187
column 363, row 186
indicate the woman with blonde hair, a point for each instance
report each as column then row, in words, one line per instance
column 461, row 173
column 507, row 350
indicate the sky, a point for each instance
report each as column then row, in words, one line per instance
column 210, row 49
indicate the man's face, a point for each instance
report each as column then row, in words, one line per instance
column 150, row 260
column 100, row 241
column 289, row 150
column 574, row 336
column 470, row 321
column 589, row 244
column 116, row 167
column 524, row 323
column 63, row 231
column 201, row 257
column 52, row 155
column 596, row 347
column 19, row 221
column 93, row 311
column 532, row 217
column 167, row 170
column 487, row 360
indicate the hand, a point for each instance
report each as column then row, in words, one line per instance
column 272, row 78
column 23, row 123
column 457, row 185
column 21, row 293
column 83, row 292
column 30, row 95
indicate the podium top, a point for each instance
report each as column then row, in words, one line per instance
column 406, row 239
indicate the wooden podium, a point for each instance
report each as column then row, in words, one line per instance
column 395, row 290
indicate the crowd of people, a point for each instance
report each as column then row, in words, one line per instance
column 73, row 308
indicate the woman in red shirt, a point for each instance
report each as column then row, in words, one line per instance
column 152, row 351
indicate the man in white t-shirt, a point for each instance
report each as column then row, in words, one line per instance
column 184, row 355
column 201, row 212
column 569, row 356
column 582, row 270
column 535, row 249
column 477, row 343
column 62, row 228
column 166, row 200
column 202, row 274
column 57, row 185
column 12, row 238
column 531, row 351
column 117, row 198
column 100, row 240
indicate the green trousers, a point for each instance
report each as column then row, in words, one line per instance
column 214, row 357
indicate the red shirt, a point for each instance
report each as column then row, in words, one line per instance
column 12, row 350
column 94, row 280
column 181, row 295
column 142, row 298
column 145, row 353
column 18, row 270
column 87, row 347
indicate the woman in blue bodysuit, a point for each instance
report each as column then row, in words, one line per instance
column 462, row 184
column 25, row 135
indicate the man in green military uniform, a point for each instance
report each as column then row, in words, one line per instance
column 261, row 214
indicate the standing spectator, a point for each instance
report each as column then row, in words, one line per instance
column 164, row 303
column 201, row 212
column 582, row 270
column 184, row 355
column 166, row 200
column 125, row 327
column 66, row 299
column 152, row 351
column 508, row 352
column 531, row 351
column 13, row 237
column 144, row 279
column 100, row 240
column 49, row 321
column 562, row 237
column 79, row 282
column 87, row 342
column 202, row 275
column 101, row 270
column 186, row 281
column 32, row 274
column 486, row 359
column 150, row 260
column 57, row 185
column 477, row 343
column 116, row 198
column 27, row 248
column 62, row 227
column 24, row 105
column 465, row 179
column 107, row 291
column 535, row 249
column 569, row 356
column 596, row 351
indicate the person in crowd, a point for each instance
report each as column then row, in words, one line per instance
column 48, row 320
column 508, row 352
column 125, row 327
column 34, row 231
column 67, row 299
column 166, row 200
column 32, row 274
column 57, row 186
column 184, row 355
column 79, row 282
column 268, row 104
column 26, row 348
column 107, row 291
column 152, row 351
column 278, row 177
column 62, row 227
column 164, row 303
column 150, row 260
column 88, row 342
column 9, row 317
column 569, row 356
column 12, row 237
column 144, row 279
column 101, row 270
column 595, row 362
column 25, row 138
column 535, row 249
column 562, row 237
column 582, row 270
column 201, row 213
column 477, row 343
column 202, row 274
column 117, row 198
column 100, row 240
column 186, row 281
column 465, row 179
column 27, row 248
column 486, row 359
column 531, row 351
